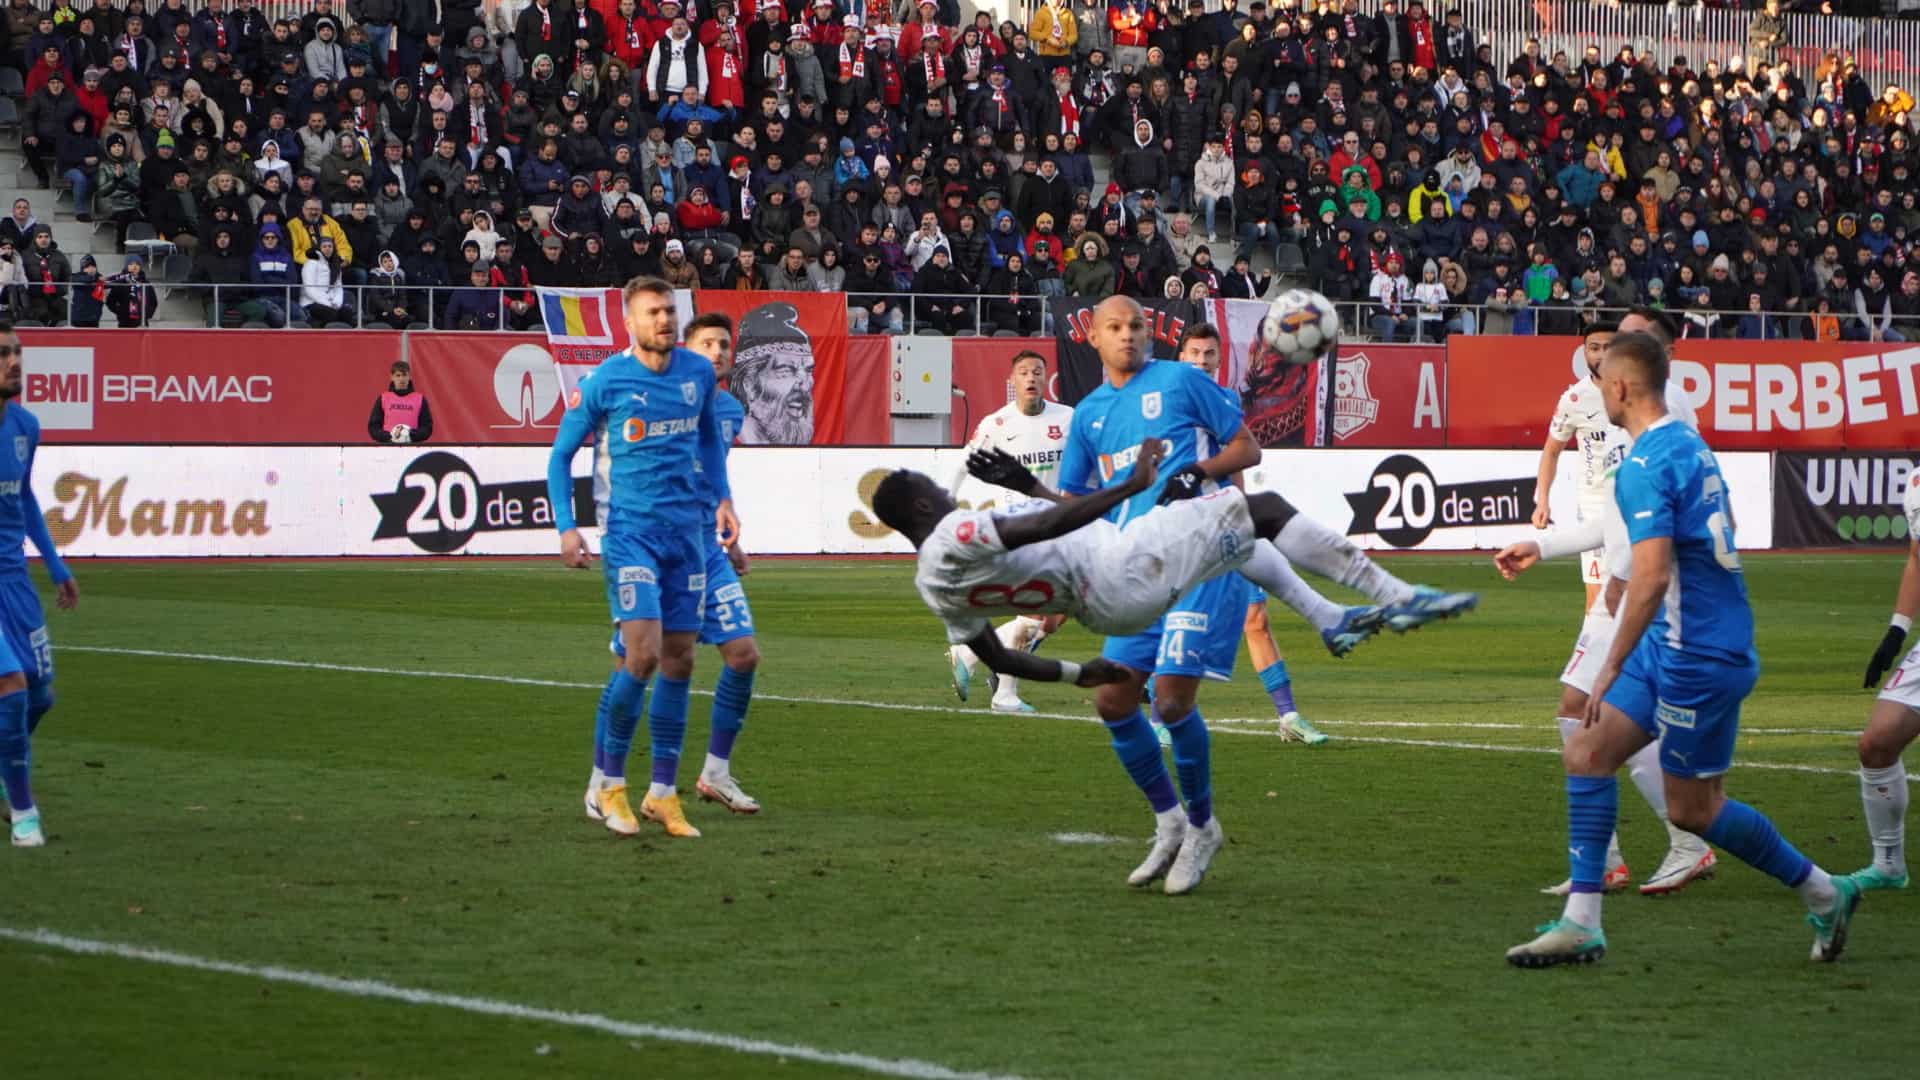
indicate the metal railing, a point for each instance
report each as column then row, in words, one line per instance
column 252, row 307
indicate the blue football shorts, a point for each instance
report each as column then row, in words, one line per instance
column 727, row 615
column 656, row 576
column 1690, row 703
column 24, row 644
column 1199, row 637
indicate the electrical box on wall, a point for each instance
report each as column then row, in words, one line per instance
column 922, row 376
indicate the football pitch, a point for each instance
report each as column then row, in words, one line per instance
column 323, row 819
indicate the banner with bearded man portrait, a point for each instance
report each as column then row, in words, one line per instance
column 790, row 364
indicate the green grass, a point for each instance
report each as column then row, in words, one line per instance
column 901, row 895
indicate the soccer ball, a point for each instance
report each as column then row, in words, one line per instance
column 1300, row 326
column 401, row 433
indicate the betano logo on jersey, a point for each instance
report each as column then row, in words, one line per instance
column 1113, row 464
column 637, row 429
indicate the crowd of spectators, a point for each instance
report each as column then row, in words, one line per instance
column 336, row 166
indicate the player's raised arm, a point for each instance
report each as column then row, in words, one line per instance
column 575, row 427
column 992, row 465
column 1905, row 604
column 1062, row 518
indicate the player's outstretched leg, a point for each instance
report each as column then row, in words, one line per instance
column 1139, row 753
column 16, row 762
column 1343, row 629
column 1192, row 760
column 1750, row 836
column 1329, row 554
column 732, row 694
column 1883, row 792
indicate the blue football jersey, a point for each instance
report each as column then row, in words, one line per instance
column 1670, row 485
column 732, row 416
column 1176, row 403
column 661, row 433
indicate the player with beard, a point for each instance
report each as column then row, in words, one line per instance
column 26, row 653
column 773, row 377
column 727, row 623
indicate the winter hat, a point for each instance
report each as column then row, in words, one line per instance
column 1113, row 188
column 675, row 247
column 1044, row 221
column 1720, row 263
column 1699, row 238
column 846, row 145
column 767, row 333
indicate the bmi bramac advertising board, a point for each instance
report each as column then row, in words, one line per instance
column 405, row 501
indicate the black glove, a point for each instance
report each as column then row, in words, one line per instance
column 1101, row 671
column 1001, row 469
column 1183, row 484
column 1884, row 656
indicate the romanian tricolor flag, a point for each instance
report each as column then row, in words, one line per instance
column 585, row 317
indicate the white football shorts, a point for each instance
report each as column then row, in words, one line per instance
column 1903, row 685
column 1590, row 652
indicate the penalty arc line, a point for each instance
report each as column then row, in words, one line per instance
column 373, row 989
column 1227, row 725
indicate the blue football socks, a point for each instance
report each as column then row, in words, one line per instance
column 1593, row 805
column 1275, row 681
column 39, row 704
column 1139, row 752
column 624, row 699
column 600, row 714
column 667, row 727
column 1192, row 760
column 1750, row 836
column 731, row 694
column 16, row 755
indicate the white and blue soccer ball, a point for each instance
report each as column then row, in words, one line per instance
column 401, row 433
column 1300, row 326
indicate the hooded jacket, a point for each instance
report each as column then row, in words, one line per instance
column 1213, row 174
column 1144, row 167
column 272, row 269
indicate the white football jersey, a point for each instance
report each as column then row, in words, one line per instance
column 1038, row 441
column 967, row 576
column 1580, row 421
column 1911, row 504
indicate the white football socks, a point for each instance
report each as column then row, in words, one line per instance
column 660, row 791
column 1270, row 570
column 1331, row 555
column 716, row 768
column 1884, row 793
column 1818, row 891
column 964, row 655
column 596, row 780
column 1583, row 908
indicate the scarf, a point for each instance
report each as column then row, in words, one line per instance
column 730, row 65
column 46, row 277
column 970, row 62
column 633, row 32
column 933, row 66
column 889, row 80
column 853, row 62
column 220, row 35
column 546, row 24
column 477, row 126
column 773, row 69
column 1069, row 114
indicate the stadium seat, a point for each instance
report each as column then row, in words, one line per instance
column 1006, row 333
column 339, row 326
column 928, row 331
column 1289, row 259
column 9, row 112
column 144, row 241
column 419, row 326
column 12, row 83
column 254, row 325
column 29, row 322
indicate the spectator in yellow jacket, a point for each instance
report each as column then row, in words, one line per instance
column 309, row 226
column 1054, row 30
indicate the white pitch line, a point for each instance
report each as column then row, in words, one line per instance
column 369, row 988
column 1083, row 838
column 1227, row 726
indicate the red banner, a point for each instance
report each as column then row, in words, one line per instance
column 488, row 388
column 790, row 364
column 1390, row 396
column 1749, row 395
column 204, row 386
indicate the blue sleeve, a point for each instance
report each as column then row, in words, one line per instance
column 1646, row 503
column 578, row 423
column 1076, row 461
column 36, row 522
column 713, row 443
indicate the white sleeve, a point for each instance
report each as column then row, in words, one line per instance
column 1563, row 540
column 978, row 441
column 1562, row 428
column 1619, row 544
column 1680, row 408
